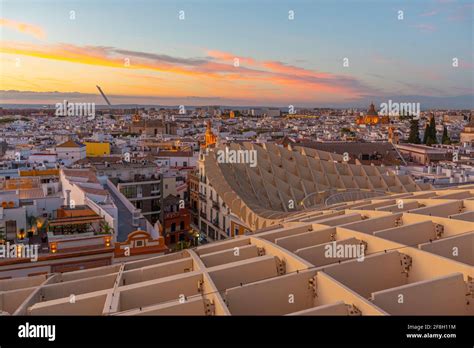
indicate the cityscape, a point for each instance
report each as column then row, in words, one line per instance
column 240, row 159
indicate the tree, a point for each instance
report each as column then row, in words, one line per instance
column 446, row 139
column 430, row 141
column 429, row 137
column 2, row 234
column 31, row 221
column 414, row 136
column 345, row 130
column 426, row 134
column 433, row 130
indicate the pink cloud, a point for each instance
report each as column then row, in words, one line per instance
column 229, row 57
column 429, row 13
column 24, row 28
column 425, row 28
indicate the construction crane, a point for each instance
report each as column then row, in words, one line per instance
column 103, row 95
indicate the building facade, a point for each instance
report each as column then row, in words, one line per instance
column 145, row 193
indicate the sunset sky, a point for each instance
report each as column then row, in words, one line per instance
column 141, row 52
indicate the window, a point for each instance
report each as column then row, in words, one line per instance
column 181, row 225
column 155, row 204
column 129, row 191
column 139, row 243
column 173, row 227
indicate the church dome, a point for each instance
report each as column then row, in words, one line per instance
column 372, row 111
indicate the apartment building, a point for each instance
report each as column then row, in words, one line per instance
column 145, row 193
column 176, row 221
column 26, row 201
column 216, row 221
column 87, row 224
column 194, row 200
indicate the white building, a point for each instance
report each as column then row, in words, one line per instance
column 42, row 157
column 70, row 152
column 177, row 159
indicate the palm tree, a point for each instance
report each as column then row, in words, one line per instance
column 105, row 228
column 31, row 220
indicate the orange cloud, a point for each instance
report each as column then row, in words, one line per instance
column 289, row 69
column 229, row 57
column 217, row 68
column 90, row 55
column 24, row 28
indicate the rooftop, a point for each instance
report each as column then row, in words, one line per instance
column 70, row 143
column 261, row 195
column 307, row 265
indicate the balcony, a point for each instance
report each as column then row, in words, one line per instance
column 172, row 215
column 193, row 177
column 215, row 205
column 202, row 197
column 203, row 215
column 155, row 192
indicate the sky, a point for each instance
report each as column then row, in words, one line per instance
column 238, row 52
